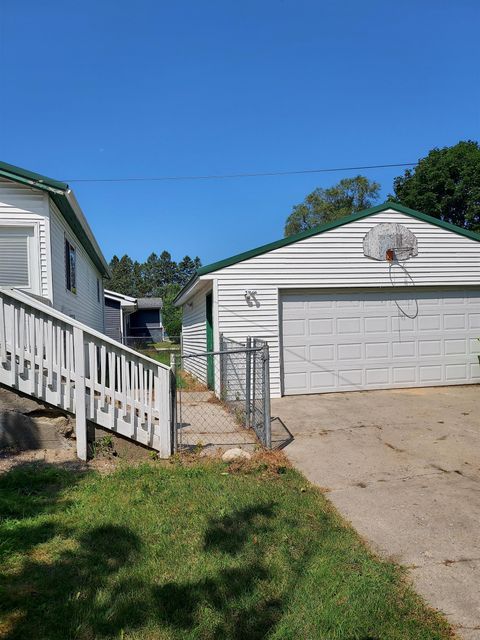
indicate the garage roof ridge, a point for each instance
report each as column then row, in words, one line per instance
column 283, row 242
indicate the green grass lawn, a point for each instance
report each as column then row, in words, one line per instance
column 191, row 551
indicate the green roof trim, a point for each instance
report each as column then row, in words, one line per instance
column 10, row 170
column 58, row 192
column 284, row 242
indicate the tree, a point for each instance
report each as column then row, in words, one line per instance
column 445, row 184
column 168, row 270
column 151, row 276
column 121, row 279
column 186, row 268
column 171, row 315
column 326, row 205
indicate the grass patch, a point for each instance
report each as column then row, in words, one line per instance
column 192, row 551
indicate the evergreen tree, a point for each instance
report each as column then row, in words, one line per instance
column 186, row 269
column 121, row 275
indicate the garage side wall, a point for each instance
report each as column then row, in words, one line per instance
column 335, row 259
column 194, row 335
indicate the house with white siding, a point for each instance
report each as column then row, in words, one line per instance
column 47, row 248
column 388, row 297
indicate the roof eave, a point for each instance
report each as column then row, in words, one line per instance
column 68, row 205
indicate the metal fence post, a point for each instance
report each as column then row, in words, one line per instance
column 248, row 383
column 222, row 365
column 266, row 398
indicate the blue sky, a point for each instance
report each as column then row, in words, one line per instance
column 151, row 88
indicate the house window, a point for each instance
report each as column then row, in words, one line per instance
column 70, row 267
column 14, row 257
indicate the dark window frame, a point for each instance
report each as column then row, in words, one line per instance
column 70, row 267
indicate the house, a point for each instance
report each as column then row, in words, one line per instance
column 128, row 319
column 47, row 248
column 388, row 297
column 146, row 322
column 118, row 309
column 52, row 342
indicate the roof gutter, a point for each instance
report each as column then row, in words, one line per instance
column 183, row 295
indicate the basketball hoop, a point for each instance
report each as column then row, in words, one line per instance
column 390, row 241
column 399, row 253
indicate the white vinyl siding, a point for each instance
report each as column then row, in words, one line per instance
column 361, row 340
column 194, row 335
column 83, row 305
column 335, row 259
column 24, row 208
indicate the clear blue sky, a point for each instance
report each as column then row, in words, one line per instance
column 102, row 89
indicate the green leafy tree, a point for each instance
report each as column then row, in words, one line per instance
column 445, row 184
column 326, row 205
column 172, row 315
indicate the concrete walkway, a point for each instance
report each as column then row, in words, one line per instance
column 205, row 422
column 404, row 467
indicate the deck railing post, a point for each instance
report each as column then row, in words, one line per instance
column 80, row 406
column 165, row 412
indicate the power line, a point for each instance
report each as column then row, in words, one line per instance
column 228, row 176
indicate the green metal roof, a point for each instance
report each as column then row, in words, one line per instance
column 284, row 242
column 58, row 192
column 17, row 174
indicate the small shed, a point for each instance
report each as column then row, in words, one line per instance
column 386, row 298
column 146, row 321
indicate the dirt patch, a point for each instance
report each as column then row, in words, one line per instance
column 271, row 463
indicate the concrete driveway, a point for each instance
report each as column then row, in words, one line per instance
column 403, row 466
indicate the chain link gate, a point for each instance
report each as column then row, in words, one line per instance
column 223, row 397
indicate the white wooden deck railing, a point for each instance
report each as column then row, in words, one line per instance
column 50, row 356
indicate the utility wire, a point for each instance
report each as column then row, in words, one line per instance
column 242, row 175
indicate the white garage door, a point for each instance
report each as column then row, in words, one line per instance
column 379, row 340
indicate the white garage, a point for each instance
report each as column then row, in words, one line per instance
column 344, row 340
column 388, row 297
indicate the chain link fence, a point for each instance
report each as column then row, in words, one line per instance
column 223, row 397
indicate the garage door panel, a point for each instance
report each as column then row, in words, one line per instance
column 322, row 353
column 455, row 372
column 429, row 348
column 320, row 327
column 372, row 340
column 455, row 347
column 475, row 371
column 350, row 351
column 474, row 321
column 431, row 374
column 320, row 380
column 349, row 325
column 294, row 328
column 376, row 377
